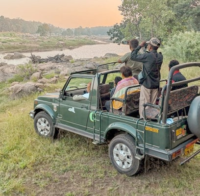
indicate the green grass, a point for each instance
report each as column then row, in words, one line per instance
column 72, row 165
column 49, row 75
column 31, row 165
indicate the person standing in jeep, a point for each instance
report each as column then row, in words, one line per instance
column 134, row 65
column 152, row 61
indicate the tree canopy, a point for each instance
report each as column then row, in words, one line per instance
column 145, row 19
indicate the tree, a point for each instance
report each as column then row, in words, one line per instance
column 146, row 18
column 116, row 33
column 43, row 29
column 188, row 13
column 78, row 31
column 67, row 32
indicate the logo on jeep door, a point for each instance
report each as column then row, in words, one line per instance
column 71, row 110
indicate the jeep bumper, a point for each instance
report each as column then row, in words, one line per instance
column 167, row 154
column 32, row 114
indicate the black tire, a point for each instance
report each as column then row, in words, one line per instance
column 43, row 124
column 129, row 164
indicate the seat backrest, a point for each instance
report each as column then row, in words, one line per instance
column 104, row 88
column 178, row 99
column 104, row 92
column 132, row 103
column 181, row 98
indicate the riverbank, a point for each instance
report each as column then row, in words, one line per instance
column 16, row 42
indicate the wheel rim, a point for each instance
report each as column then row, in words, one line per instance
column 122, row 156
column 43, row 126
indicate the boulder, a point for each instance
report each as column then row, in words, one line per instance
column 47, row 66
column 77, row 64
column 67, row 58
column 16, row 55
column 2, row 64
column 14, row 83
column 90, row 66
column 8, row 56
column 36, row 75
column 66, row 72
column 108, row 55
column 51, row 81
column 7, row 72
column 19, row 90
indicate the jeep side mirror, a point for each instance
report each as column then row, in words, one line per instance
column 62, row 96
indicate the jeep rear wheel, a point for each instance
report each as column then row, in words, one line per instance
column 122, row 155
column 43, row 124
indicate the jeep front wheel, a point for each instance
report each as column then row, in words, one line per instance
column 43, row 124
column 122, row 155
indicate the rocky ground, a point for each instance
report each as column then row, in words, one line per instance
column 39, row 73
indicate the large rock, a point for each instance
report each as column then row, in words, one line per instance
column 108, row 55
column 66, row 72
column 36, row 76
column 19, row 90
column 16, row 55
column 77, row 64
column 7, row 72
column 2, row 64
column 90, row 66
column 67, row 58
column 8, row 56
column 51, row 81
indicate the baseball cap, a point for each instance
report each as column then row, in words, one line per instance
column 154, row 41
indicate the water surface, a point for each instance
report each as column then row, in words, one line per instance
column 87, row 51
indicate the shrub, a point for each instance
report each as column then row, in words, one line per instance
column 184, row 47
column 26, row 70
column 23, row 73
column 49, row 75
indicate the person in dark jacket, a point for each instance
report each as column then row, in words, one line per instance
column 177, row 75
column 152, row 61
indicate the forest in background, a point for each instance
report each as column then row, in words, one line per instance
column 154, row 18
column 175, row 22
column 21, row 26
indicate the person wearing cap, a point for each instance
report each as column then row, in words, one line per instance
column 134, row 65
column 177, row 75
column 152, row 61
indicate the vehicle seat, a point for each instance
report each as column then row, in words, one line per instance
column 178, row 99
column 104, row 91
column 132, row 103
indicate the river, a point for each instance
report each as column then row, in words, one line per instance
column 87, row 51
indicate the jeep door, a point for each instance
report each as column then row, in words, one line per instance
column 75, row 113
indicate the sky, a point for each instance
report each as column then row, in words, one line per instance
column 64, row 13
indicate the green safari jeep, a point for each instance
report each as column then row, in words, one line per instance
column 169, row 129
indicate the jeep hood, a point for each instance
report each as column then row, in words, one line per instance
column 49, row 97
